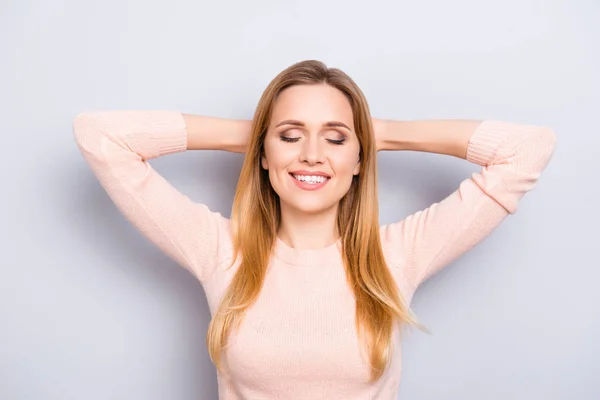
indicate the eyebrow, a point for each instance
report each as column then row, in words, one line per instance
column 329, row 124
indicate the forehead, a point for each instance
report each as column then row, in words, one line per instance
column 312, row 104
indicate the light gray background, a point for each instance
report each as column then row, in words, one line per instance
column 89, row 309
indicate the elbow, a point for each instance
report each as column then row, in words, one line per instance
column 546, row 141
column 550, row 137
column 87, row 130
column 81, row 124
column 537, row 151
column 539, row 144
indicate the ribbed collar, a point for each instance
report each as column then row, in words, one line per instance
column 311, row 257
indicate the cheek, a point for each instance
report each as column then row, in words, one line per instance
column 277, row 160
column 279, row 155
column 344, row 164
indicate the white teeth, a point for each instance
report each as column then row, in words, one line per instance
column 314, row 179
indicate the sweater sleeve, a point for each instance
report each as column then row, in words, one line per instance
column 512, row 156
column 117, row 144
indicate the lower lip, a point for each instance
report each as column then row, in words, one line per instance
column 309, row 186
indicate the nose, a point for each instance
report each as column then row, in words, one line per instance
column 313, row 151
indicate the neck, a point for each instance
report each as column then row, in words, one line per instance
column 303, row 231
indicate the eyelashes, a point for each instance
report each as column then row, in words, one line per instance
column 338, row 141
column 288, row 139
column 295, row 139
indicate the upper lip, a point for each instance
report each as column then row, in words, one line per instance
column 309, row 173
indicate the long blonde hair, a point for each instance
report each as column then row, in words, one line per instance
column 256, row 216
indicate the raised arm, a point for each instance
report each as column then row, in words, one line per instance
column 513, row 157
column 117, row 144
column 210, row 133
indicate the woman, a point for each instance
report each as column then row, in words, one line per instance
column 307, row 293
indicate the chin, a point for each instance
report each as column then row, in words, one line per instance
column 312, row 206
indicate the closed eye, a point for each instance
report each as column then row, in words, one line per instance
column 295, row 139
column 338, row 142
column 289, row 139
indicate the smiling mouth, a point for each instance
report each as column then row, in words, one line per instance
column 311, row 179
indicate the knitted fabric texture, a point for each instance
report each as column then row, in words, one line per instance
column 298, row 340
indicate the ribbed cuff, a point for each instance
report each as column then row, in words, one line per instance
column 485, row 142
column 170, row 132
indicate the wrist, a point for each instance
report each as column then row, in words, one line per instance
column 241, row 135
column 388, row 134
column 379, row 133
